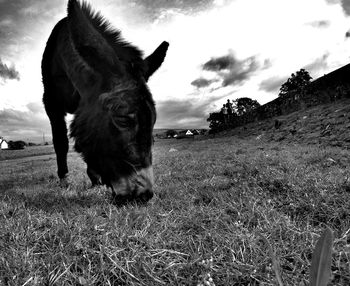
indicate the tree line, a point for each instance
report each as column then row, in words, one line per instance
column 231, row 112
column 228, row 116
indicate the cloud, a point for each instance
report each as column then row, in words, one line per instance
column 267, row 63
column 189, row 113
column 8, row 72
column 320, row 24
column 18, row 124
column 344, row 3
column 346, row 6
column 220, row 63
column 181, row 114
column 347, row 34
column 23, row 21
column 163, row 10
column 272, row 84
column 202, row 82
column 236, row 76
column 35, row 107
column 231, row 70
column 318, row 64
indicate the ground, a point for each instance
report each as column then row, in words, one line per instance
column 220, row 204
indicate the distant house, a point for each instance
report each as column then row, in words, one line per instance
column 195, row 132
column 3, row 144
column 185, row 134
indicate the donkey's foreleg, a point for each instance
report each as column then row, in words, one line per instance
column 94, row 177
column 60, row 143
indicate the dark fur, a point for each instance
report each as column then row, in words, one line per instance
column 104, row 85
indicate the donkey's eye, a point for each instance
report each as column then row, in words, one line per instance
column 126, row 121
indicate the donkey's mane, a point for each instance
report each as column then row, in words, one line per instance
column 124, row 49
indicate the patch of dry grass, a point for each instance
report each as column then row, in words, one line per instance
column 214, row 200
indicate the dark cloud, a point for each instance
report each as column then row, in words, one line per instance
column 347, row 34
column 344, row 3
column 23, row 21
column 235, row 76
column 27, row 23
column 231, row 70
column 16, row 124
column 202, row 82
column 272, row 84
column 220, row 63
column 320, row 24
column 318, row 64
column 162, row 9
column 346, row 6
column 8, row 72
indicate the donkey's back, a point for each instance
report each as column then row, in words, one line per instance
column 60, row 95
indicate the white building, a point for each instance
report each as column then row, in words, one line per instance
column 3, row 144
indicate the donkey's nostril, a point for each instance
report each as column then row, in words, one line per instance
column 145, row 196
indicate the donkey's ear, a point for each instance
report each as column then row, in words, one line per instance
column 154, row 60
column 85, row 30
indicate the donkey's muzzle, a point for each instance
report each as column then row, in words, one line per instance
column 136, row 187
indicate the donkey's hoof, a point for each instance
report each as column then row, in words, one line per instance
column 95, row 184
column 64, row 182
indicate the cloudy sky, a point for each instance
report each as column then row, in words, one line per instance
column 219, row 50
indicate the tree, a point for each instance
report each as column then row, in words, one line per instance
column 297, row 81
column 16, row 145
column 244, row 105
column 216, row 120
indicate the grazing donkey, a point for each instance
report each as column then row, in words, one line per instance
column 90, row 71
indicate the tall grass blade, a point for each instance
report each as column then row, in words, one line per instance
column 320, row 271
column 274, row 260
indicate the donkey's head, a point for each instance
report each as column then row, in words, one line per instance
column 114, row 121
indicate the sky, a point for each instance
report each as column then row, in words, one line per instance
column 219, row 50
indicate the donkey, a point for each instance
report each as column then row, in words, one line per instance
column 90, row 71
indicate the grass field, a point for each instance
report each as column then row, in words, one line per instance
column 214, row 201
column 27, row 152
